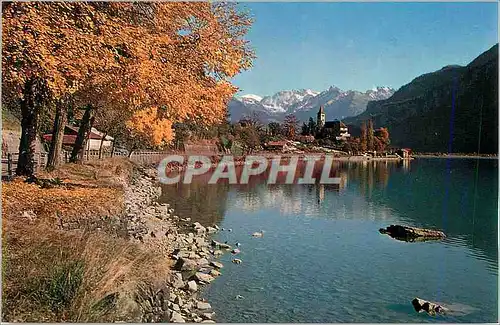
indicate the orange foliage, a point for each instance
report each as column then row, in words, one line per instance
column 69, row 202
column 147, row 124
column 130, row 57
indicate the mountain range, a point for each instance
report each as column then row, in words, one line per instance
column 305, row 103
column 454, row 109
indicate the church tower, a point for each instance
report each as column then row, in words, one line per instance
column 321, row 118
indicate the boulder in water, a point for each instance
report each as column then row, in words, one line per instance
column 431, row 308
column 406, row 233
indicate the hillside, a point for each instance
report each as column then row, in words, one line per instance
column 454, row 109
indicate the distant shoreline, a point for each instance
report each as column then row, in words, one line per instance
column 454, row 156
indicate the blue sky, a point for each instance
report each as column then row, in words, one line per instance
column 361, row 45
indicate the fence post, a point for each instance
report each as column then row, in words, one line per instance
column 9, row 164
column 37, row 162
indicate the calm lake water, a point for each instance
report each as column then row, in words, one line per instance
column 322, row 259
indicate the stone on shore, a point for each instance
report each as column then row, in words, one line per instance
column 184, row 264
column 411, row 233
column 203, row 277
column 207, row 315
column 215, row 273
column 216, row 264
column 217, row 244
column 203, row 305
column 192, row 286
column 177, row 281
column 211, row 230
column 176, row 317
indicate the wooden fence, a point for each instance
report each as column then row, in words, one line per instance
column 9, row 160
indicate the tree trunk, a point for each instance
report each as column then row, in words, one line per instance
column 83, row 134
column 113, row 148
column 30, row 109
column 100, row 146
column 54, row 157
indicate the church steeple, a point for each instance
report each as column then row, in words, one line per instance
column 321, row 118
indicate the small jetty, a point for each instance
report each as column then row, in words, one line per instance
column 411, row 234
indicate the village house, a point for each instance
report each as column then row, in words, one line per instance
column 404, row 153
column 332, row 129
column 93, row 143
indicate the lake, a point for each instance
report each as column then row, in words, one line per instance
column 322, row 259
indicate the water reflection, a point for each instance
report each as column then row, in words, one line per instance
column 459, row 197
column 199, row 201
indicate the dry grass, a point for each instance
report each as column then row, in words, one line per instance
column 58, row 275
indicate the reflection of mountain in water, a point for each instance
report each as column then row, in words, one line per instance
column 457, row 196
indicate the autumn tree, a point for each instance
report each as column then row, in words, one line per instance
column 363, row 138
column 161, row 62
column 58, row 45
column 290, row 126
column 193, row 65
column 370, row 138
column 381, row 139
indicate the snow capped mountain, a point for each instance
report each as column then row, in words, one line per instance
column 252, row 97
column 280, row 101
column 380, row 93
column 304, row 103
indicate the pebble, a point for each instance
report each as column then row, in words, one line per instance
column 203, row 305
column 203, row 277
column 176, row 317
column 216, row 264
column 215, row 273
column 192, row 286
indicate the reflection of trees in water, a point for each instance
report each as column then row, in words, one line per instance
column 372, row 174
column 200, row 201
column 420, row 197
column 445, row 195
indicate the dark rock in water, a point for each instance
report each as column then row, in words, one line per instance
column 431, row 308
column 411, row 234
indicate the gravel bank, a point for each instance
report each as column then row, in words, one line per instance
column 192, row 253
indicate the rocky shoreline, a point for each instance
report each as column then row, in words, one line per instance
column 188, row 245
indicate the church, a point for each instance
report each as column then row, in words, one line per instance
column 331, row 129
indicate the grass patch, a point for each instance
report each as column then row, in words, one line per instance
column 55, row 275
column 58, row 290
